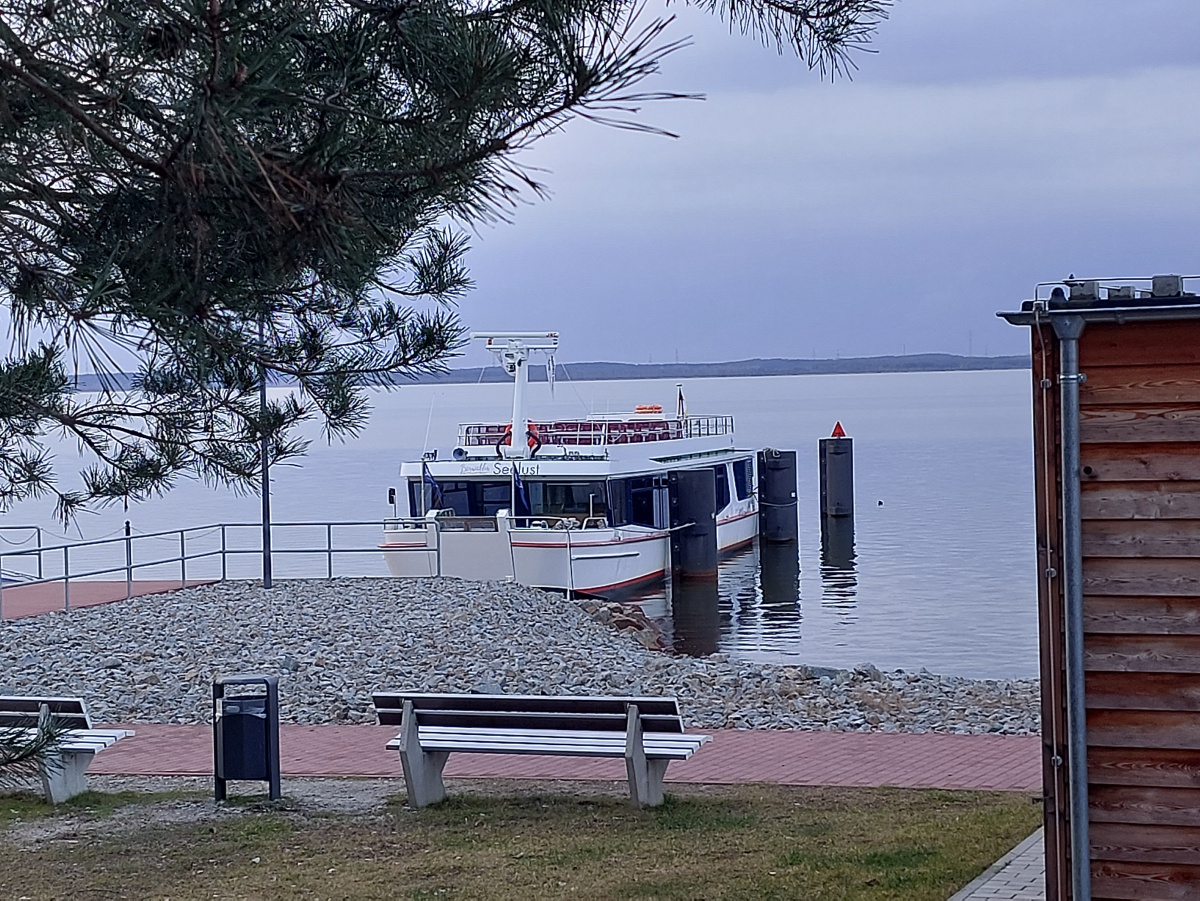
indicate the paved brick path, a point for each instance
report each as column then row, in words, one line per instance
column 1020, row 875
column 986, row 762
column 33, row 600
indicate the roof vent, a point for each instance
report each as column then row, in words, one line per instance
column 1122, row 292
column 1166, row 286
column 1084, row 290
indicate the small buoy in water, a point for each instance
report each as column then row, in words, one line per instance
column 881, row 503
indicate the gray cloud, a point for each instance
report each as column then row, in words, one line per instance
column 987, row 146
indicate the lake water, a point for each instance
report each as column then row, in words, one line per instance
column 939, row 572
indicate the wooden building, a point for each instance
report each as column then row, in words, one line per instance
column 1137, row 522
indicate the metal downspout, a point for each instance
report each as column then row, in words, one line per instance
column 1068, row 329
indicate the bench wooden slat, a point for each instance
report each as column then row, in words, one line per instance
column 25, row 704
column 20, row 720
column 588, row 722
column 596, row 744
column 605, row 735
column 613, row 751
column 81, row 739
column 16, row 712
column 502, row 736
column 557, row 751
column 386, row 701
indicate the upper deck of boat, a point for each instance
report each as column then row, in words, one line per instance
column 600, row 430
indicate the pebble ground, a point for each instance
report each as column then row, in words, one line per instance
column 153, row 658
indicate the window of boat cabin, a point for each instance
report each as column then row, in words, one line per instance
column 618, row 502
column 722, row 487
column 742, row 477
column 640, row 502
column 567, row 498
column 464, row 498
column 491, row 497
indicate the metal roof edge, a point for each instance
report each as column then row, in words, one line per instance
column 1104, row 314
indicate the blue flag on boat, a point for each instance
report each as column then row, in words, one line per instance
column 428, row 479
column 520, row 498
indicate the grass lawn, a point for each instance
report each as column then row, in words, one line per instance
column 743, row 842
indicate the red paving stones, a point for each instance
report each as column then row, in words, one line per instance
column 17, row 601
column 987, row 762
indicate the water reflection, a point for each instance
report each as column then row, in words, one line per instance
column 779, row 580
column 839, row 573
column 753, row 606
column 696, row 616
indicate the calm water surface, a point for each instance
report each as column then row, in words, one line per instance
column 939, row 572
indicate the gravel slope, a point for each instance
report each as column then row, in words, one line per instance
column 152, row 659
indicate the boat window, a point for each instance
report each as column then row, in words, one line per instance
column 618, row 501
column 491, row 497
column 456, row 496
column 648, row 502
column 722, row 487
column 567, row 498
column 414, row 497
column 742, row 473
column 641, row 510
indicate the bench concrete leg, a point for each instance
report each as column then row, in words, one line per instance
column 66, row 776
column 422, row 769
column 645, row 775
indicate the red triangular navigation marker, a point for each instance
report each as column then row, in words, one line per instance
column 838, row 431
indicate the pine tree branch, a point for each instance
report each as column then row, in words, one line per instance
column 28, row 752
column 32, row 81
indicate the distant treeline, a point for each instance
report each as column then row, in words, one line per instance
column 588, row 372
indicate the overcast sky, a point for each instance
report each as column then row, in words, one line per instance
column 986, row 146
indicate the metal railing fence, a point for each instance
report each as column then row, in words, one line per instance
column 203, row 553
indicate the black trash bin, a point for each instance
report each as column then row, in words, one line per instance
column 246, row 733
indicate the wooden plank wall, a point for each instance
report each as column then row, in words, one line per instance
column 1047, row 481
column 1140, row 459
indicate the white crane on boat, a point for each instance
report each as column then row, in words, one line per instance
column 512, row 350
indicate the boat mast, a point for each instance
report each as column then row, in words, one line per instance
column 512, row 350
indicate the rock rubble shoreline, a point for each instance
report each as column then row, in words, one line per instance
column 153, row 658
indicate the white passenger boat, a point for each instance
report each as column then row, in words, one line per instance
column 582, row 504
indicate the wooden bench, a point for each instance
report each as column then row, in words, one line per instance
column 65, row 774
column 647, row 732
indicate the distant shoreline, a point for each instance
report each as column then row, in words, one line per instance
column 591, row 372
column 594, row 372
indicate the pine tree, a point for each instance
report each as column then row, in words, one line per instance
column 214, row 193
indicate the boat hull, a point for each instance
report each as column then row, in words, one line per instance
column 584, row 560
column 470, row 548
column 589, row 561
column 736, row 530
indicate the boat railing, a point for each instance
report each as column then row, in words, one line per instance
column 559, row 523
column 598, row 432
column 179, row 557
column 707, row 426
